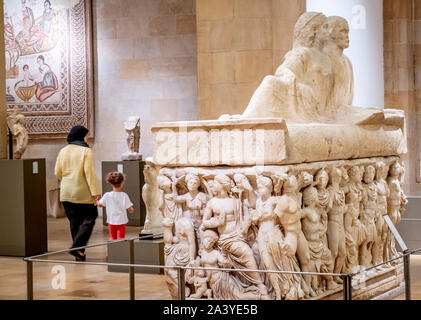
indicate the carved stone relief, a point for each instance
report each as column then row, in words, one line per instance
column 320, row 217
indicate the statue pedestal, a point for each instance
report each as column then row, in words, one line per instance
column 23, row 208
column 133, row 171
column 145, row 252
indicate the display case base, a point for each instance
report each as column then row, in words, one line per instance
column 145, row 252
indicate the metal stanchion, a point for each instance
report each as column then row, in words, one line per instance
column 29, row 281
column 407, row 274
column 131, row 272
column 10, row 145
column 181, row 284
column 347, row 282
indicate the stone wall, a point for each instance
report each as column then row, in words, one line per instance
column 240, row 42
column 144, row 64
column 402, row 66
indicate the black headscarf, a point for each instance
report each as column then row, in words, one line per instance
column 76, row 136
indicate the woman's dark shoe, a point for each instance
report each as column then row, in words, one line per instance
column 78, row 255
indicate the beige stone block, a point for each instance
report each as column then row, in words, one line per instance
column 105, row 29
column 288, row 9
column 388, row 58
column 203, row 36
column 161, row 68
column 388, row 79
column 216, row 67
column 221, row 35
column 214, row 9
column 204, row 68
column 137, row 69
column 253, row 8
column 162, row 26
column 186, row 24
column 402, row 9
column 223, row 67
column 188, row 109
column 278, row 58
column 215, row 36
column 417, row 94
column 252, row 66
column 147, row 47
column 282, row 40
column 417, row 33
column 418, row 78
column 404, row 84
column 128, row 28
column 143, row 90
column 143, row 10
column 388, row 35
column 243, row 94
column 401, row 31
column 405, row 100
column 180, row 87
column 389, row 100
column 176, row 6
column 222, row 100
column 178, row 46
column 167, row 109
column 417, row 55
column 115, row 49
column 387, row 10
column 204, row 100
column 109, row 9
column 252, row 34
column 417, row 9
column 403, row 56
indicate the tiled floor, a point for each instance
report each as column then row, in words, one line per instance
column 95, row 282
column 82, row 281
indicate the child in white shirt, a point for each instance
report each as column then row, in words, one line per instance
column 118, row 204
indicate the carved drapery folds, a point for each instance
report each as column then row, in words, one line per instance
column 320, row 217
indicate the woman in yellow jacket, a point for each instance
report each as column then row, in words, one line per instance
column 79, row 188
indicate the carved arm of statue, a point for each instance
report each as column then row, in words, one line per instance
column 215, row 222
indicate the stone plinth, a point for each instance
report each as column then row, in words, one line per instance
column 270, row 141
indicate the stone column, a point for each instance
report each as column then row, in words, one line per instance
column 3, row 124
column 365, row 18
column 402, row 56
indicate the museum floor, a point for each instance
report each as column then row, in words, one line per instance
column 94, row 282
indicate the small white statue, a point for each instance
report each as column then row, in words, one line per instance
column 132, row 126
column 15, row 122
column 152, row 198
